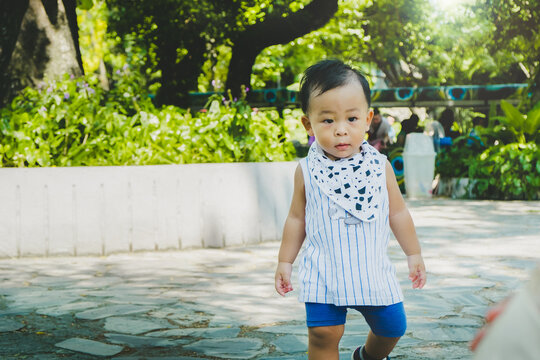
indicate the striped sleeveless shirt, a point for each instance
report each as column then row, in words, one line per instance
column 345, row 262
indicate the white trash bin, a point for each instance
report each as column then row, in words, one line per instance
column 419, row 165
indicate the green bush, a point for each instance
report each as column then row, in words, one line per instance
column 509, row 172
column 454, row 161
column 75, row 123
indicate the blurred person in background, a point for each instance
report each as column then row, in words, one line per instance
column 378, row 131
column 513, row 326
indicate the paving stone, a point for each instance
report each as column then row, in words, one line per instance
column 68, row 308
column 475, row 310
column 98, row 282
column 208, row 333
column 220, row 332
column 196, row 291
column 112, row 310
column 139, row 300
column 90, row 347
column 438, row 351
column 351, row 342
column 407, row 341
column 356, row 327
column 239, row 348
column 461, row 333
column 15, row 312
column 143, row 341
column 171, row 333
column 291, row 344
column 7, row 325
column 49, row 281
column 285, row 329
column 224, row 321
column 186, row 318
column 134, row 326
column 460, row 321
column 465, row 299
column 155, row 358
column 41, row 299
column 436, row 334
column 295, row 357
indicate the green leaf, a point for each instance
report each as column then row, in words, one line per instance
column 532, row 124
column 85, row 4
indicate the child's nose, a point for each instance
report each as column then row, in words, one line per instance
column 341, row 129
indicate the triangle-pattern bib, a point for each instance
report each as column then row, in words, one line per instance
column 356, row 183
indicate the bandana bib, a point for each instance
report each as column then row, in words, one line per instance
column 356, row 183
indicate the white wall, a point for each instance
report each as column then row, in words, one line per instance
column 101, row 210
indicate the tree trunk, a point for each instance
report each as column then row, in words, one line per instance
column 11, row 16
column 272, row 31
column 46, row 45
column 178, row 78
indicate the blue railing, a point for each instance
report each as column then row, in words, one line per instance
column 457, row 95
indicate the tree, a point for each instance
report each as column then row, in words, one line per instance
column 178, row 36
column 41, row 41
column 274, row 30
column 11, row 16
column 516, row 30
column 412, row 42
column 373, row 36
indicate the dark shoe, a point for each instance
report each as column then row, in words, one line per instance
column 357, row 354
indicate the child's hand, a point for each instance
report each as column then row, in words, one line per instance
column 417, row 271
column 283, row 278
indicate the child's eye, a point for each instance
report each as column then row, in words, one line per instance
column 353, row 118
column 328, row 121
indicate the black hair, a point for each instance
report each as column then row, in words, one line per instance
column 327, row 75
column 376, row 111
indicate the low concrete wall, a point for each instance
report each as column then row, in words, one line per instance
column 102, row 210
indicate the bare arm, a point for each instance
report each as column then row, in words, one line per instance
column 294, row 233
column 402, row 226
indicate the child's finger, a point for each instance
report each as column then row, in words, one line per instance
column 421, row 281
column 283, row 286
column 418, row 278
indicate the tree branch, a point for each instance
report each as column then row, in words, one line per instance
column 272, row 31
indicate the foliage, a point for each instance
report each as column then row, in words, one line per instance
column 525, row 127
column 412, row 42
column 510, row 169
column 512, row 127
column 454, row 161
column 178, row 37
column 75, row 123
column 92, row 35
column 509, row 172
column 515, row 24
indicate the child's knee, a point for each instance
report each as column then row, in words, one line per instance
column 325, row 335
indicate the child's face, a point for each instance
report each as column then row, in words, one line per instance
column 339, row 119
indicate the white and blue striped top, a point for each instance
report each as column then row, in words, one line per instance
column 345, row 262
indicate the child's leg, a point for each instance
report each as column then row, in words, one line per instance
column 326, row 323
column 379, row 347
column 388, row 324
column 324, row 342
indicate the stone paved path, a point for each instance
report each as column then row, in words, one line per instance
column 220, row 304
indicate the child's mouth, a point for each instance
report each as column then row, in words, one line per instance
column 342, row 147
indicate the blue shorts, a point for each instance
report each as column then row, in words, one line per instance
column 389, row 320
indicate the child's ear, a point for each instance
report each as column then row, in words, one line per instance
column 307, row 125
column 369, row 117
